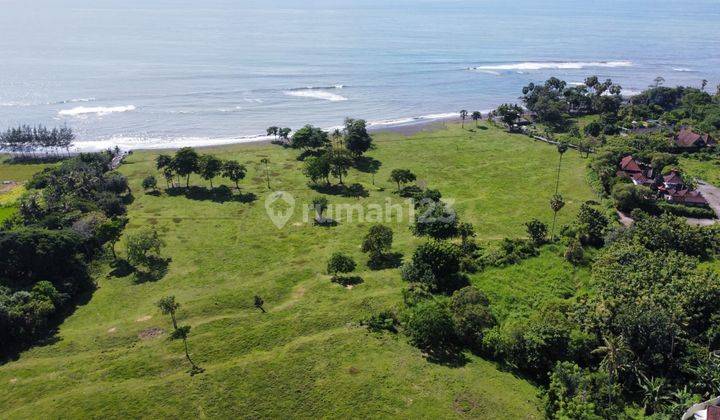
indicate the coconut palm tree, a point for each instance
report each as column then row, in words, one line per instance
column 463, row 115
column 561, row 148
column 266, row 162
column 476, row 116
column 616, row 356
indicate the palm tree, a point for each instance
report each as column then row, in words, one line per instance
column 616, row 354
column 659, row 81
column 168, row 306
column 266, row 161
column 259, row 302
column 561, row 148
column 476, row 116
column 463, row 115
column 556, row 204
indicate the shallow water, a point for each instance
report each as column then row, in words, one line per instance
column 139, row 73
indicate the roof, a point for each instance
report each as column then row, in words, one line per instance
column 641, row 179
column 673, row 177
column 628, row 164
column 688, row 138
column 713, row 413
column 686, row 196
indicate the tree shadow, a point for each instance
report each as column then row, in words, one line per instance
column 385, row 261
column 310, row 153
column 121, row 268
column 154, row 193
column 325, row 222
column 348, row 280
column 329, row 189
column 367, row 164
column 156, row 270
column 450, row 356
column 221, row 194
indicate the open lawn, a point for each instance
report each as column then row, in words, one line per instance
column 305, row 357
column 19, row 172
column 707, row 170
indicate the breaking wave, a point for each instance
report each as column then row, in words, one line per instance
column 316, row 93
column 95, row 110
column 551, row 65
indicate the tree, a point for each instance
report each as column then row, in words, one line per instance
column 309, row 137
column 476, row 116
column 537, row 231
column 436, row 264
column 429, row 325
column 509, row 113
column 615, row 355
column 317, row 168
column 163, row 161
column 340, row 161
column 402, row 176
column 209, row 167
column 629, row 197
column 110, row 233
column 143, row 246
column 234, row 171
column 561, row 148
column 319, row 204
column 591, row 225
column 266, row 162
column 466, row 232
column 463, row 115
column 574, row 252
column 284, row 133
column 556, row 204
column 659, row 81
column 357, row 139
column 149, row 182
column 340, row 263
column 377, row 241
column 185, row 163
column 183, row 332
column 273, row 131
column 169, row 306
column 259, row 302
column 168, row 174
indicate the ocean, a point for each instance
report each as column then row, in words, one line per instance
column 161, row 73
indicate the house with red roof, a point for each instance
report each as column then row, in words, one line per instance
column 688, row 139
column 673, row 180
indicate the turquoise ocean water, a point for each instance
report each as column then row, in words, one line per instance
column 155, row 73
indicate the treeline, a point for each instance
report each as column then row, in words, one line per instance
column 65, row 220
column 187, row 161
column 28, row 141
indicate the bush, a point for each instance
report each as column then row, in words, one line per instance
column 686, row 211
column 429, row 325
column 537, row 231
column 385, row 320
column 340, row 263
column 510, row 251
column 436, row 264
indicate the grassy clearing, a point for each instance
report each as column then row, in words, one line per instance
column 707, row 170
column 20, row 172
column 306, row 356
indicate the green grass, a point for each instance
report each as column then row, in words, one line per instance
column 707, row 170
column 306, row 356
column 19, row 172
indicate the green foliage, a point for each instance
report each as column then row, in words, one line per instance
column 591, row 225
column 378, row 241
column 471, row 316
column 436, row 264
column 340, row 263
column 357, row 140
column 509, row 113
column 429, row 325
column 234, row 171
column 385, row 320
column 317, row 168
column 537, row 231
column 209, row 167
column 341, row 161
column 143, row 247
column 149, row 182
column 401, row 176
column 629, row 197
column 186, row 162
column 575, row 393
column 309, row 137
column 436, row 220
column 509, row 251
column 574, row 252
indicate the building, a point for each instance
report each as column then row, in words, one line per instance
column 686, row 197
column 688, row 139
column 673, row 180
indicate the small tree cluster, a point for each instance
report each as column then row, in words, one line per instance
column 187, row 161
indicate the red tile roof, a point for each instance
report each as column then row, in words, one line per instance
column 673, row 177
column 628, row 164
column 688, row 138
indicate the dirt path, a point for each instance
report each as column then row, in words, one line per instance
column 711, row 194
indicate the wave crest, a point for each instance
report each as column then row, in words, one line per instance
column 316, row 94
column 550, row 65
column 95, row 110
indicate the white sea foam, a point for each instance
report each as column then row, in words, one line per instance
column 316, row 94
column 550, row 65
column 95, row 110
column 149, row 142
column 683, row 69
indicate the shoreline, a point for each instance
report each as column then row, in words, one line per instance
column 404, row 126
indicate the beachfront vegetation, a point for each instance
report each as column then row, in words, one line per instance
column 26, row 142
column 224, row 252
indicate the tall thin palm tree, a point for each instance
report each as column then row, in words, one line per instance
column 266, row 161
column 556, row 204
column 561, row 148
column 463, row 115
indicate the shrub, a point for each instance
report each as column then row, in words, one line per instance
column 537, row 231
column 385, row 320
column 340, row 263
column 429, row 325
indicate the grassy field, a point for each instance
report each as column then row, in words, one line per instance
column 707, row 170
column 305, row 357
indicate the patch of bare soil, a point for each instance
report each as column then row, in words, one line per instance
column 7, row 187
column 151, row 333
column 112, row 330
column 144, row 318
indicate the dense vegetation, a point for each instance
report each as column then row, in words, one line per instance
column 25, row 142
column 68, row 214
